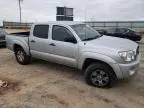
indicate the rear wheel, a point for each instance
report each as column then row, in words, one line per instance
column 99, row 75
column 21, row 56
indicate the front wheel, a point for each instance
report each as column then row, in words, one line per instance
column 21, row 56
column 99, row 75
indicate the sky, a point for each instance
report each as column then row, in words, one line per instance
column 90, row 10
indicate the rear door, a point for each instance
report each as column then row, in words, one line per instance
column 39, row 42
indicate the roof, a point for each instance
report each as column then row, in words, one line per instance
column 62, row 22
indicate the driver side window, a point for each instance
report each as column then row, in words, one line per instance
column 61, row 33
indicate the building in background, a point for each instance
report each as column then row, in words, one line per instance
column 64, row 14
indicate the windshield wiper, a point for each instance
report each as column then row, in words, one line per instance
column 91, row 38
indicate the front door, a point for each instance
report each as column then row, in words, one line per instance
column 65, row 46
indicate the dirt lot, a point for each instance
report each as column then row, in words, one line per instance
column 48, row 85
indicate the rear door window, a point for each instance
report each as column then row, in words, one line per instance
column 41, row 31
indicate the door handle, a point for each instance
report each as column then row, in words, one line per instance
column 52, row 44
column 32, row 41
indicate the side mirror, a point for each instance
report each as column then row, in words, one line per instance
column 70, row 39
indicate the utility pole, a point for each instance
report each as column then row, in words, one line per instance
column 20, row 10
column 85, row 14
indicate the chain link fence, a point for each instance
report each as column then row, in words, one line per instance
column 136, row 25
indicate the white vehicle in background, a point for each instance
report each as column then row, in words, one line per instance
column 103, row 59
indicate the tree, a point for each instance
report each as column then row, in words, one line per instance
column 20, row 10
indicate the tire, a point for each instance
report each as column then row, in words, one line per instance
column 99, row 75
column 21, row 56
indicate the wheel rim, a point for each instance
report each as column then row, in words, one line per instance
column 20, row 55
column 100, row 78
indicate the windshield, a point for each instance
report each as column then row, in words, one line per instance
column 85, row 32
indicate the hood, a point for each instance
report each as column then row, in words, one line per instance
column 109, row 42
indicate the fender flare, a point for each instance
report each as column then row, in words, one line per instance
column 23, row 44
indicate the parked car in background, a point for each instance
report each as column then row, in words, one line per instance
column 123, row 33
column 101, row 31
column 103, row 59
column 2, row 37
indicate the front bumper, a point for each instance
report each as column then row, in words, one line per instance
column 130, row 69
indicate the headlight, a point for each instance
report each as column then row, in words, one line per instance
column 127, row 56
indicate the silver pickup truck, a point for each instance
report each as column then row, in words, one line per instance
column 103, row 59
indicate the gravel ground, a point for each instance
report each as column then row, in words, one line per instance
column 48, row 85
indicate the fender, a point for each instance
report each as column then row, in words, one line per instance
column 96, row 56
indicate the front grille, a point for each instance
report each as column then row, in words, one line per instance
column 2, row 37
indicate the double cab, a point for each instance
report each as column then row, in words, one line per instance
column 103, row 59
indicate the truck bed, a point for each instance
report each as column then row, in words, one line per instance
column 20, row 38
